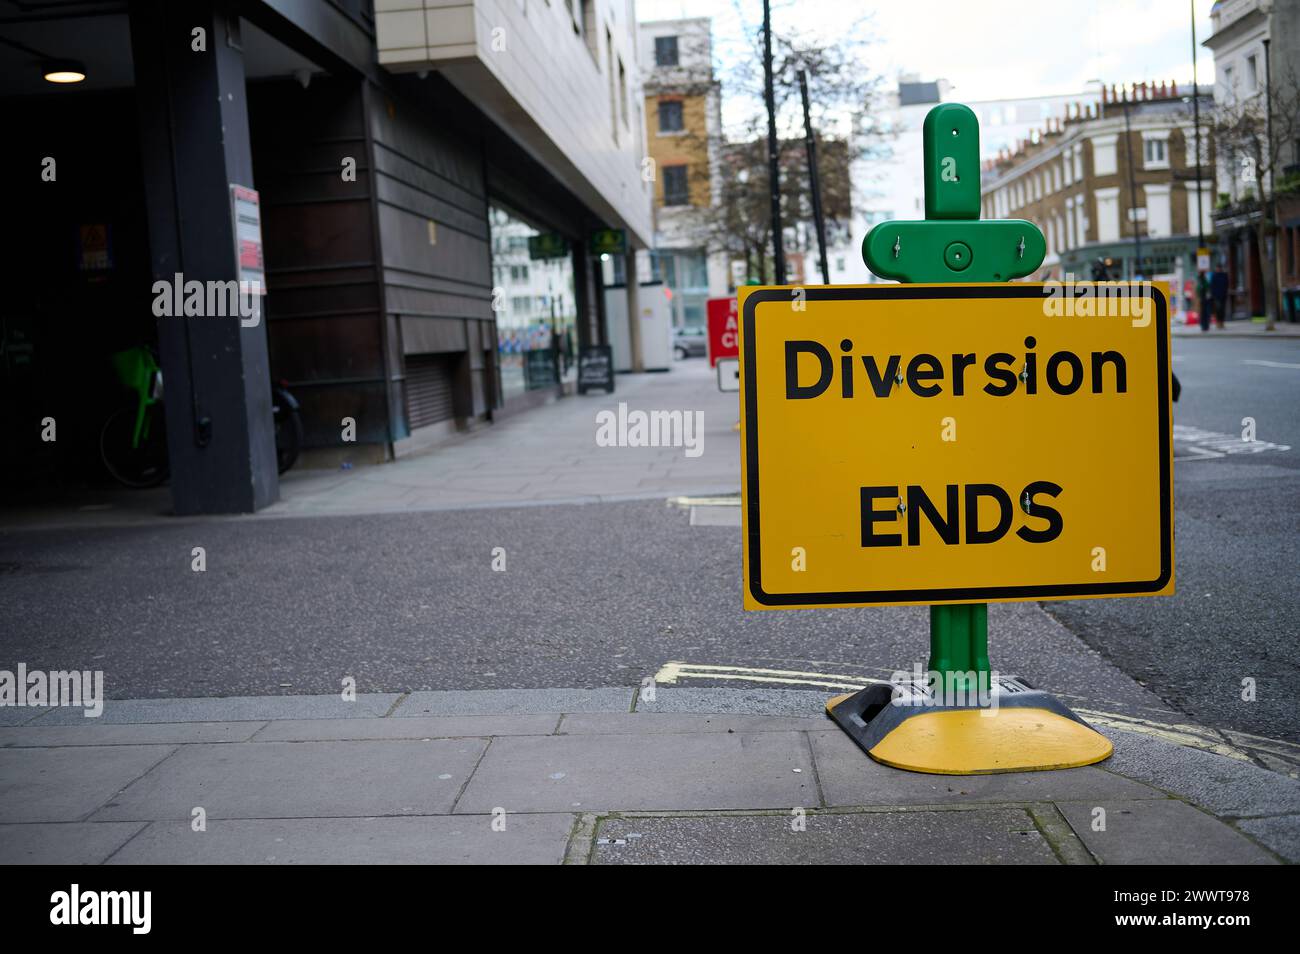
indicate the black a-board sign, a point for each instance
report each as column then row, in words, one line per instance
column 540, row 370
column 596, row 368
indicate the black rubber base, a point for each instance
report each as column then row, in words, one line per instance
column 872, row 713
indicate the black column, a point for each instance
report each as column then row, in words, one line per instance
column 583, row 298
column 194, row 146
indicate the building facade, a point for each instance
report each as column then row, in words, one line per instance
column 398, row 155
column 1115, row 183
column 1256, row 47
column 683, row 116
column 894, row 189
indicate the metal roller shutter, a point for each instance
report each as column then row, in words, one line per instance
column 428, row 388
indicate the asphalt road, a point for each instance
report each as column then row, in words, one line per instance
column 592, row 595
column 608, row 594
column 1236, row 613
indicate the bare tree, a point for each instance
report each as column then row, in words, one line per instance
column 730, row 167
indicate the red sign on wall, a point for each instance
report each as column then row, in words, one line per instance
column 724, row 329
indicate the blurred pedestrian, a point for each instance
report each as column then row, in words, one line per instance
column 1203, row 310
column 1219, row 292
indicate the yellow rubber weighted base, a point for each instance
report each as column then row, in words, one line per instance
column 981, row 742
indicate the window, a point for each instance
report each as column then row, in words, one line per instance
column 1189, row 143
column 1108, row 214
column 1159, row 221
column 622, row 91
column 676, row 190
column 670, row 116
column 665, row 51
column 532, row 313
column 1252, row 74
column 614, row 105
column 1104, row 158
column 584, row 24
column 1154, row 154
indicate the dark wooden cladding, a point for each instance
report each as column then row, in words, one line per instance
column 429, row 170
column 376, row 283
column 323, row 304
column 324, row 406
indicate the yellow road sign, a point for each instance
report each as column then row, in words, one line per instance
column 955, row 443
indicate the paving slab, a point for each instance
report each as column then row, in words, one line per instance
column 68, row 843
column 641, row 723
column 795, row 702
column 507, row 701
column 160, row 733
column 849, row 777
column 1280, row 834
column 436, row 840
column 1159, row 832
column 983, row 836
column 415, row 727
column 300, row 779
column 67, row 784
column 715, row 770
column 715, row 516
column 1224, row 786
column 230, row 709
column 20, row 715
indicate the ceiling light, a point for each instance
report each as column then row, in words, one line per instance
column 63, row 71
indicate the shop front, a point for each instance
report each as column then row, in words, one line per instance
column 535, row 307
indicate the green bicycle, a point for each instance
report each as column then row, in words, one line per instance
column 133, row 440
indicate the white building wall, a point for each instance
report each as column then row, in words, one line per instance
column 1240, row 30
column 552, row 89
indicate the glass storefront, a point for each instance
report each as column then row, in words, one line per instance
column 535, row 308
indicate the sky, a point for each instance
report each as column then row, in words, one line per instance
column 987, row 49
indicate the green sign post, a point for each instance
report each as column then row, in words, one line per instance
column 952, row 244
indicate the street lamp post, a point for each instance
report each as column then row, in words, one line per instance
column 1270, row 226
column 773, row 166
column 1132, row 191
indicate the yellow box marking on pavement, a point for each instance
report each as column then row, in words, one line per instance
column 845, row 454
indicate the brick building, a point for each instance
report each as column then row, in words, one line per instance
column 1103, row 180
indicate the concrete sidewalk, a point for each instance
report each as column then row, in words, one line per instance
column 545, row 455
column 588, row 776
column 1238, row 329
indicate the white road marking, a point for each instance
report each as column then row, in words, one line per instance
column 1271, row 364
column 1210, row 444
column 1201, row 454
